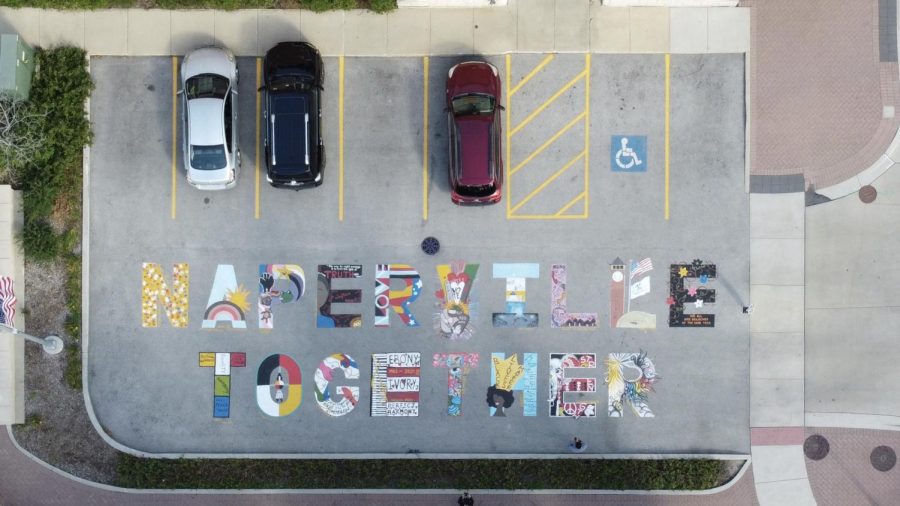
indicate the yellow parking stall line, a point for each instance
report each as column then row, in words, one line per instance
column 548, row 181
column 547, row 217
column 425, row 141
column 550, row 141
column 174, row 127
column 668, row 79
column 547, row 59
column 508, row 136
column 547, row 103
column 258, row 119
column 341, row 138
column 582, row 195
column 587, row 133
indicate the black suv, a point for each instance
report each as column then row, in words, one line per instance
column 295, row 154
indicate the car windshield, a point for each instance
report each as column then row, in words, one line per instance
column 473, row 105
column 298, row 82
column 206, row 86
column 476, row 191
column 208, row 157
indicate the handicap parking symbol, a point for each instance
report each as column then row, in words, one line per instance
column 628, row 153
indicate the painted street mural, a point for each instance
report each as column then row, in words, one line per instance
column 348, row 396
column 222, row 363
column 456, row 306
column 399, row 300
column 515, row 275
column 559, row 315
column 279, row 387
column 689, row 284
column 622, row 292
column 290, row 275
column 630, row 377
column 566, row 392
column 326, row 296
column 228, row 302
column 7, row 301
column 509, row 377
column 458, row 366
column 395, row 384
column 155, row 291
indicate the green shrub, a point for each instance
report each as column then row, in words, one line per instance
column 39, row 240
column 382, row 5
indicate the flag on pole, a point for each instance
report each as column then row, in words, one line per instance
column 638, row 268
column 7, row 300
column 642, row 287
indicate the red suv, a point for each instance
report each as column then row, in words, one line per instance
column 473, row 117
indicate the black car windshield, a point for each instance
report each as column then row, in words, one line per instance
column 476, row 191
column 473, row 105
column 206, row 86
column 291, row 82
column 208, row 157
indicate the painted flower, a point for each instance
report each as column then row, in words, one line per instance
column 692, row 291
column 682, row 272
column 704, row 279
column 670, row 301
column 698, row 303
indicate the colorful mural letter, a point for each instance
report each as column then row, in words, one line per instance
column 326, row 296
column 269, row 296
column 155, row 290
column 515, row 315
column 400, row 300
column 634, row 392
column 560, row 385
column 228, row 303
column 622, row 292
column 395, row 384
column 7, row 301
column 455, row 302
column 688, row 283
column 348, row 396
column 559, row 316
column 222, row 364
column 279, row 386
column 507, row 377
column 459, row 365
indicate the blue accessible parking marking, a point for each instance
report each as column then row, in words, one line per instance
column 628, row 153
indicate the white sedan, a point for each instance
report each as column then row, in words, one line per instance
column 209, row 79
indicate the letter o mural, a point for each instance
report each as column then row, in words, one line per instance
column 278, row 396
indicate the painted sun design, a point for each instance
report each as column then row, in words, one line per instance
column 239, row 297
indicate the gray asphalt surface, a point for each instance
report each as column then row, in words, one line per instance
column 150, row 394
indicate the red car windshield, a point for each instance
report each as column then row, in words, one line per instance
column 473, row 105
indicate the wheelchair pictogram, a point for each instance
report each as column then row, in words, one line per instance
column 628, row 153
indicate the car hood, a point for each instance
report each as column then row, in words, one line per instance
column 474, row 150
column 208, row 60
column 206, row 121
column 473, row 78
column 210, row 177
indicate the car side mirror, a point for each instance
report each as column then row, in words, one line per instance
column 261, row 88
column 501, row 107
column 179, row 92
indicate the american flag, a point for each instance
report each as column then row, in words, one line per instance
column 7, row 300
column 638, row 268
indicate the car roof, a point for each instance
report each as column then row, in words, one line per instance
column 474, row 134
column 290, row 131
column 206, row 121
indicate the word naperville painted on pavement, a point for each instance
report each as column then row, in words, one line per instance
column 395, row 376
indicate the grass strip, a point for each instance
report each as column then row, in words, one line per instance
column 608, row 474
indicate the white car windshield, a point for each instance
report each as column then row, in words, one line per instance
column 206, row 86
column 208, row 157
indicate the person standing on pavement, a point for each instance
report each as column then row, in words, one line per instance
column 577, row 445
column 465, row 500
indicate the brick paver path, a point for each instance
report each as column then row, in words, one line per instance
column 817, row 89
column 25, row 482
column 846, row 476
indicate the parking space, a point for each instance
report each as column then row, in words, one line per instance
column 551, row 282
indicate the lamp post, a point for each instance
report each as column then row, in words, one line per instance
column 52, row 344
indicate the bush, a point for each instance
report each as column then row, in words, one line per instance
column 315, row 5
column 39, row 240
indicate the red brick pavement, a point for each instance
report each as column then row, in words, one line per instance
column 817, row 89
column 27, row 483
column 845, row 477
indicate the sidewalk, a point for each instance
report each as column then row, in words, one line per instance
column 521, row 26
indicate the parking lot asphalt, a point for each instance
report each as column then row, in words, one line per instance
column 154, row 390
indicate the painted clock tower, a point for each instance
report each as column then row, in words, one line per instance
column 616, row 291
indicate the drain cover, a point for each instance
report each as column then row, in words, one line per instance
column 883, row 458
column 867, row 194
column 816, row 447
column 431, row 245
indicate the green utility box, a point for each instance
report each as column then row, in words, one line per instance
column 16, row 66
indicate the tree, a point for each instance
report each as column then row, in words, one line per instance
column 19, row 139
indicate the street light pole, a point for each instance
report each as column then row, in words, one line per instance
column 52, row 344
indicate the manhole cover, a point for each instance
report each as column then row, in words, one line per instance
column 883, row 458
column 816, row 447
column 867, row 194
column 431, row 246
